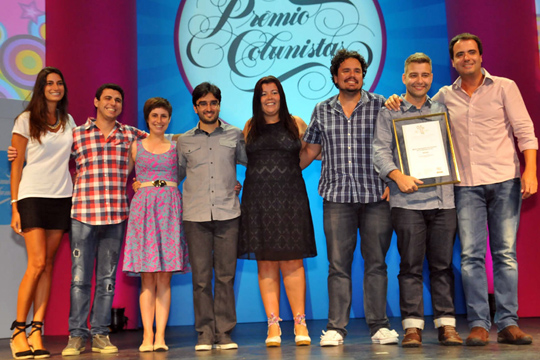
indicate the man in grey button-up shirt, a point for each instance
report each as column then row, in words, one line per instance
column 424, row 218
column 207, row 158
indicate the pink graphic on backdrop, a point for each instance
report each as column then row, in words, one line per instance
column 22, row 46
column 30, row 11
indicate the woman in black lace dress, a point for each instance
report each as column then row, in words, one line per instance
column 276, row 227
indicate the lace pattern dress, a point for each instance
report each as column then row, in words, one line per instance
column 276, row 220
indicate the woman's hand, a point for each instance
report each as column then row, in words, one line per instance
column 238, row 187
column 16, row 221
column 136, row 184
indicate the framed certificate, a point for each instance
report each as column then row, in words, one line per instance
column 426, row 150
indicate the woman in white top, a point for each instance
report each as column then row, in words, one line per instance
column 41, row 200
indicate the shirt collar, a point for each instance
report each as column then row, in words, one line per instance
column 363, row 100
column 91, row 122
column 488, row 79
column 218, row 129
column 406, row 106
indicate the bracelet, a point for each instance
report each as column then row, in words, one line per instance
column 13, row 201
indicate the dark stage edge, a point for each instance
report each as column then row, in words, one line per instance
column 250, row 338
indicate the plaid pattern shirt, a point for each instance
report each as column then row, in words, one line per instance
column 99, row 196
column 347, row 172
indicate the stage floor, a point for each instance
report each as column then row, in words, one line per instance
column 250, row 338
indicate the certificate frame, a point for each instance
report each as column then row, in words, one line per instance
column 422, row 151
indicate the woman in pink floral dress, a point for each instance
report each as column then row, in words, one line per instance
column 155, row 245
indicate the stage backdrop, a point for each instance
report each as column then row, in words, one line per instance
column 234, row 43
column 22, row 56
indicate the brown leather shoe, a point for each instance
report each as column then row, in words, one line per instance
column 513, row 335
column 448, row 336
column 478, row 337
column 412, row 338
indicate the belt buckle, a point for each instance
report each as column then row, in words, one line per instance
column 159, row 183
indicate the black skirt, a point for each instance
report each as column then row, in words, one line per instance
column 45, row 213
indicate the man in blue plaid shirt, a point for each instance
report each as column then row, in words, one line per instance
column 341, row 130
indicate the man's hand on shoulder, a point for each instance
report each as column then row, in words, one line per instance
column 393, row 102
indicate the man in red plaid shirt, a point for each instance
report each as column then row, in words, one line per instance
column 99, row 211
column 98, row 214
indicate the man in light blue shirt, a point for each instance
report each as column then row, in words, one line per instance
column 424, row 218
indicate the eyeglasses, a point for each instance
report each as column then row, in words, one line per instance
column 203, row 104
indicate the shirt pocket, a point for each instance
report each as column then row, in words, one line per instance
column 227, row 148
column 227, row 143
column 193, row 152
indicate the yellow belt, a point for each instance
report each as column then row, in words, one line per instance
column 159, row 183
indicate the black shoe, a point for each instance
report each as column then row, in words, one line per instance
column 38, row 353
column 21, row 327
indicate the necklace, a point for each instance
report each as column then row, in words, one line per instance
column 55, row 125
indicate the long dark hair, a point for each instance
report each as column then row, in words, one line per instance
column 257, row 120
column 38, row 105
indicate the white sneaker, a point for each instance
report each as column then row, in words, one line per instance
column 331, row 338
column 228, row 346
column 385, row 336
column 203, row 347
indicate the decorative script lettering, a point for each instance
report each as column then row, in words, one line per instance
column 253, row 40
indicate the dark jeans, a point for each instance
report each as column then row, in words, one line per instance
column 341, row 224
column 212, row 246
column 99, row 245
column 423, row 233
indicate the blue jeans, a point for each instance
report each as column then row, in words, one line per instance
column 498, row 206
column 99, row 245
column 420, row 234
column 341, row 224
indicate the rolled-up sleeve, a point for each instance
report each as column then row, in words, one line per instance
column 383, row 158
column 313, row 131
column 241, row 156
column 519, row 117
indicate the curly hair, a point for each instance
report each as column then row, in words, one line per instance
column 341, row 56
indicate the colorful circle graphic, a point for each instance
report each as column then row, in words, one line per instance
column 21, row 58
column 37, row 29
column 3, row 33
column 7, row 91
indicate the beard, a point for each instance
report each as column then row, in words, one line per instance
column 209, row 122
column 351, row 91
